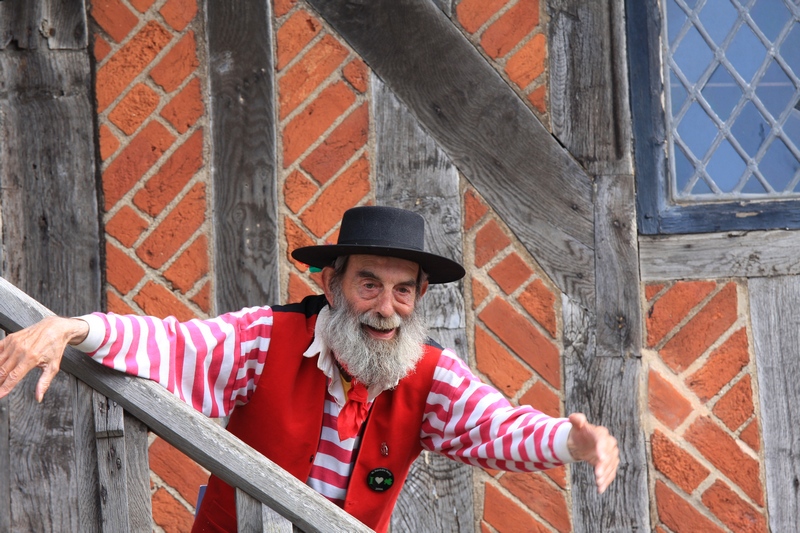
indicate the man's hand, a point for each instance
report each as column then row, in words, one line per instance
column 596, row 446
column 41, row 345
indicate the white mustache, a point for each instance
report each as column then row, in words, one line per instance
column 380, row 322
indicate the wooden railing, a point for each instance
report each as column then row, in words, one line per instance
column 267, row 497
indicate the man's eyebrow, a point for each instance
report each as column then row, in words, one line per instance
column 363, row 274
column 366, row 274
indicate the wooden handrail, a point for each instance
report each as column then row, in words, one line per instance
column 200, row 438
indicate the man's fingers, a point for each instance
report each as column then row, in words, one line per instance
column 48, row 374
column 10, row 378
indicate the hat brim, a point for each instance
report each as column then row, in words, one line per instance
column 439, row 269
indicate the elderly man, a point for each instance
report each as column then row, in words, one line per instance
column 343, row 390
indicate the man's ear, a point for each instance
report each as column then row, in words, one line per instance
column 327, row 276
column 423, row 288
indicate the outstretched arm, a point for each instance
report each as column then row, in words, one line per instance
column 41, row 345
column 596, row 446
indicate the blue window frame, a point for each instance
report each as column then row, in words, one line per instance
column 715, row 93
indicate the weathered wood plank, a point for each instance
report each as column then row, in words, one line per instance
column 64, row 24
column 720, row 255
column 482, row 125
column 618, row 312
column 57, row 24
column 5, row 468
column 44, row 491
column 51, row 247
column 413, row 173
column 18, row 24
column 137, row 471
column 437, row 496
column 647, row 113
column 589, row 105
column 86, row 471
column 252, row 516
column 49, row 199
column 606, row 389
column 111, row 454
column 775, row 314
column 243, row 153
column 198, row 437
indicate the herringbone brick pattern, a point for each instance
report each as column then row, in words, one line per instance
column 155, row 184
column 512, row 35
column 324, row 129
column 516, row 338
column 705, row 431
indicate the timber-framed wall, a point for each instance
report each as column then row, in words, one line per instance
column 222, row 135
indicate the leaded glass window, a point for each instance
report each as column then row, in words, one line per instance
column 731, row 71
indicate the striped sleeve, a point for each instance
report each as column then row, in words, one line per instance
column 213, row 365
column 471, row 422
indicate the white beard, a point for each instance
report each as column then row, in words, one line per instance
column 373, row 362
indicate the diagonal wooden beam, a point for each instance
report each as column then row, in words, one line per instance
column 491, row 136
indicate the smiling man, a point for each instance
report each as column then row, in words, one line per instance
column 343, row 390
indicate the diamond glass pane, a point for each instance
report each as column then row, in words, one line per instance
column 778, row 166
column 718, row 17
column 676, row 18
column 750, row 129
column 753, row 186
column 697, row 130
column 722, row 92
column 678, row 93
column 792, row 128
column 683, row 170
column 770, row 16
column 775, row 90
column 730, row 82
column 701, row 188
column 790, row 49
column 726, row 167
column 693, row 55
column 746, row 53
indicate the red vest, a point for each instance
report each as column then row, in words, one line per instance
column 290, row 403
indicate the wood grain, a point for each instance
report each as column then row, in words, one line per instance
column 54, row 24
column 137, row 472
column 413, row 173
column 198, row 437
column 606, row 390
column 775, row 314
column 618, row 312
column 5, row 468
column 243, row 141
column 720, row 255
column 253, row 516
column 111, row 463
column 50, row 239
column 490, row 135
column 89, row 514
column 589, row 104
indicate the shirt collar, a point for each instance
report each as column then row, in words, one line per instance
column 326, row 362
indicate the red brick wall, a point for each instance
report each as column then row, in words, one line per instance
column 704, row 431
column 512, row 35
column 151, row 114
column 323, row 130
column 515, row 333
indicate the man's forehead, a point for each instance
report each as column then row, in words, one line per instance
column 359, row 262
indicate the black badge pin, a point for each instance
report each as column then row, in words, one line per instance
column 380, row 479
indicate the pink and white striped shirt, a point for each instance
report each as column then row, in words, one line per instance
column 216, row 364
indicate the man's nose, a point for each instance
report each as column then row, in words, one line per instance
column 385, row 304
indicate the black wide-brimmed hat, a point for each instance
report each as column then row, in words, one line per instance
column 387, row 231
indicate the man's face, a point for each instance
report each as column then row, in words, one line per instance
column 373, row 328
column 383, row 287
